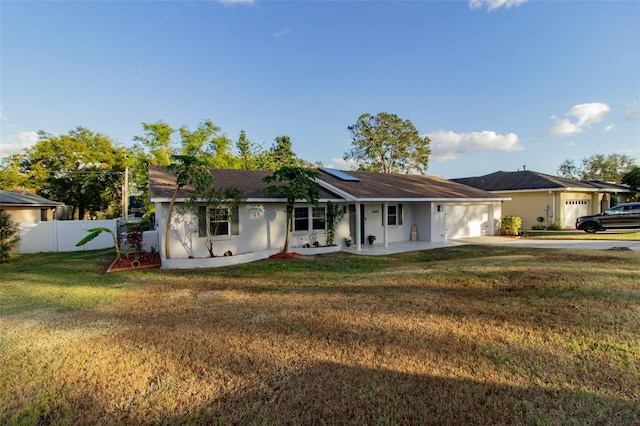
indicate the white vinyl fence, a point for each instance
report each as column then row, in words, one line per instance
column 63, row 235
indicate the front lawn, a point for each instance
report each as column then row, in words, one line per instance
column 464, row 335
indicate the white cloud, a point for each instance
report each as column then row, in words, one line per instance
column 2, row 116
column 16, row 144
column 633, row 112
column 281, row 33
column 564, row 126
column 446, row 146
column 495, row 4
column 342, row 164
column 585, row 115
column 610, row 128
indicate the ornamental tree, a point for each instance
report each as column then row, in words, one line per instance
column 293, row 183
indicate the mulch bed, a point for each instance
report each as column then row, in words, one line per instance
column 288, row 255
column 145, row 261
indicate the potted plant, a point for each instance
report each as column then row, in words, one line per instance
column 371, row 238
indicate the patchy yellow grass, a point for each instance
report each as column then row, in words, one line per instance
column 469, row 335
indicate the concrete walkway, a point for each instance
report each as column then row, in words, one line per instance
column 405, row 246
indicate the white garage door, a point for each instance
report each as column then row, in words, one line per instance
column 574, row 209
column 462, row 221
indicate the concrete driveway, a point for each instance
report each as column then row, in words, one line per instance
column 554, row 244
column 405, row 246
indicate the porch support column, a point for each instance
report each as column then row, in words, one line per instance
column 358, row 228
column 385, row 221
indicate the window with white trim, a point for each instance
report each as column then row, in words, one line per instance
column 301, row 219
column 319, row 218
column 394, row 214
column 309, row 218
column 218, row 221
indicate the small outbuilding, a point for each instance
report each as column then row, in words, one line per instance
column 23, row 206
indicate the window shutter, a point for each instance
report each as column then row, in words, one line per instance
column 399, row 220
column 235, row 221
column 202, row 221
column 384, row 214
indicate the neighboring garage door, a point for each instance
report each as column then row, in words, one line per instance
column 574, row 209
column 462, row 221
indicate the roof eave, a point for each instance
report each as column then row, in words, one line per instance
column 564, row 189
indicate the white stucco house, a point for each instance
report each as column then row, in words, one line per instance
column 392, row 207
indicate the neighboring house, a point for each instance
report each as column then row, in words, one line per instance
column 24, row 206
column 538, row 198
column 392, row 207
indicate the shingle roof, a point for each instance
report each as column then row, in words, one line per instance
column 610, row 186
column 399, row 186
column 372, row 186
column 162, row 183
column 519, row 181
column 25, row 199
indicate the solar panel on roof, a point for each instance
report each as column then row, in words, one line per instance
column 339, row 174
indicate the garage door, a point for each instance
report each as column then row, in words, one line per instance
column 574, row 209
column 463, row 221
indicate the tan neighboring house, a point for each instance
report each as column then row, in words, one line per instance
column 24, row 206
column 539, row 198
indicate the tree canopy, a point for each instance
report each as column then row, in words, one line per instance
column 82, row 169
column 248, row 152
column 608, row 168
column 386, row 143
column 632, row 178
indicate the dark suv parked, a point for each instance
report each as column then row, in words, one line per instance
column 622, row 216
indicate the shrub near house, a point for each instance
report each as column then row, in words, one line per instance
column 8, row 236
column 510, row 225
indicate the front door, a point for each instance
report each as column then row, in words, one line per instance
column 362, row 219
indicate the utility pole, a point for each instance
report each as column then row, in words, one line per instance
column 125, row 195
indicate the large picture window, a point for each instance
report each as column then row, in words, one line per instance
column 309, row 218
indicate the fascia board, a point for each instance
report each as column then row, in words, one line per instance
column 353, row 200
column 545, row 190
column 342, row 193
column 438, row 200
column 249, row 200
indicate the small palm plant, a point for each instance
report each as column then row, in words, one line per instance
column 94, row 232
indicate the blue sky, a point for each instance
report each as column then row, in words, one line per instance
column 496, row 85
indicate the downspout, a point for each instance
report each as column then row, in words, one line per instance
column 358, row 227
